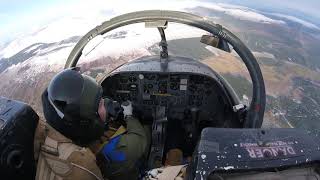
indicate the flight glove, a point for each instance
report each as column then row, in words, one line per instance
column 127, row 109
column 114, row 110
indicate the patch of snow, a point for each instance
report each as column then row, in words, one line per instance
column 214, row 50
column 32, row 48
column 55, row 48
column 263, row 54
column 55, row 31
column 228, row 167
column 137, row 38
column 290, row 59
column 203, row 156
column 296, row 101
column 245, row 100
column 279, row 113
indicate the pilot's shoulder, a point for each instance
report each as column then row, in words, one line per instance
column 62, row 158
column 56, row 135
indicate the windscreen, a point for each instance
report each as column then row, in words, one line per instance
column 107, row 52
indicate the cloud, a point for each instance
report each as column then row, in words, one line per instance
column 241, row 12
column 3, row 15
column 297, row 20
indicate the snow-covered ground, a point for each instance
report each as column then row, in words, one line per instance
column 135, row 39
column 48, row 49
column 78, row 23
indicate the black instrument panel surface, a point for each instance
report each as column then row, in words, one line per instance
column 179, row 93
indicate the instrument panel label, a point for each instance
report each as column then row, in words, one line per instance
column 268, row 150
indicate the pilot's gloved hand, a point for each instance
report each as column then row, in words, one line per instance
column 153, row 173
column 127, row 109
column 113, row 108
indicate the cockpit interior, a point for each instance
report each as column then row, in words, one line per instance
column 186, row 104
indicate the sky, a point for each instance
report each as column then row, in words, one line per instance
column 18, row 17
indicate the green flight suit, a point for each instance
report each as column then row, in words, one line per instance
column 133, row 145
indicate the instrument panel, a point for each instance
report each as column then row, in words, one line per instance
column 178, row 93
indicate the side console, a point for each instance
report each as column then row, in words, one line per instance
column 18, row 123
column 255, row 154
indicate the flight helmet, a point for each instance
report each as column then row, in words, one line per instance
column 71, row 106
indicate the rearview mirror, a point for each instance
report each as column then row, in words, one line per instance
column 216, row 42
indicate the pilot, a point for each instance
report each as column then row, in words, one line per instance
column 79, row 142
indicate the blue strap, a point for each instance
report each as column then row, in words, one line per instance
column 110, row 153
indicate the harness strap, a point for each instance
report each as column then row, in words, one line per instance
column 121, row 130
column 50, row 146
column 87, row 170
